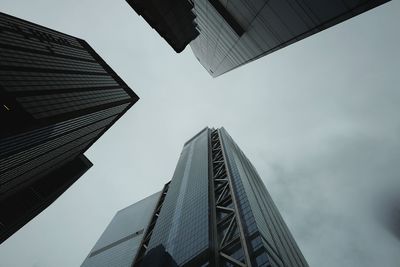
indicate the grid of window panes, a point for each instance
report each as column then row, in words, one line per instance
column 42, row 158
column 23, row 44
column 23, row 141
column 19, row 81
column 25, row 204
column 268, row 26
column 120, row 241
column 216, row 37
column 61, row 96
column 36, row 152
column 41, row 106
column 16, row 58
column 256, row 250
column 182, row 227
column 60, row 73
column 263, row 222
column 28, row 28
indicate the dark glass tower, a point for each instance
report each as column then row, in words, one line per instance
column 173, row 19
column 215, row 211
column 57, row 97
column 235, row 32
column 22, row 206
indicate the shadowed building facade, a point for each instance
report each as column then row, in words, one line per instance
column 215, row 211
column 22, row 206
column 57, row 97
column 235, row 32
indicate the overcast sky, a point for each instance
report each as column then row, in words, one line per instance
column 320, row 120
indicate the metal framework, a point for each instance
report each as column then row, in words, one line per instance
column 149, row 231
column 229, row 242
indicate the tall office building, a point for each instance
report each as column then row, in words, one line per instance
column 235, row 32
column 22, row 206
column 215, row 211
column 57, row 97
column 119, row 243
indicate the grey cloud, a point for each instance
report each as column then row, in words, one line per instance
column 319, row 120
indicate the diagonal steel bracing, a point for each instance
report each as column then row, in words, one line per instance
column 149, row 231
column 230, row 245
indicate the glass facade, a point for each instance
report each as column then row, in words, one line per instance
column 235, row 32
column 57, row 97
column 266, row 232
column 267, row 240
column 182, row 227
column 215, row 211
column 226, row 34
column 120, row 241
column 176, row 27
column 25, row 204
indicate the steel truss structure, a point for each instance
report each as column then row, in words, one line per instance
column 227, row 234
column 149, row 231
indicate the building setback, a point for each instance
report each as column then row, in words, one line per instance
column 235, row 32
column 57, row 97
column 215, row 211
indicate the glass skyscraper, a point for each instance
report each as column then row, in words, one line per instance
column 120, row 242
column 215, row 211
column 230, row 33
column 57, row 97
column 19, row 208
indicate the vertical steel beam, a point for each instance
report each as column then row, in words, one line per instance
column 227, row 233
column 214, row 259
column 239, row 222
column 149, row 231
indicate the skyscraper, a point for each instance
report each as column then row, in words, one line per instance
column 57, row 98
column 235, row 32
column 121, row 240
column 22, row 206
column 174, row 20
column 215, row 211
